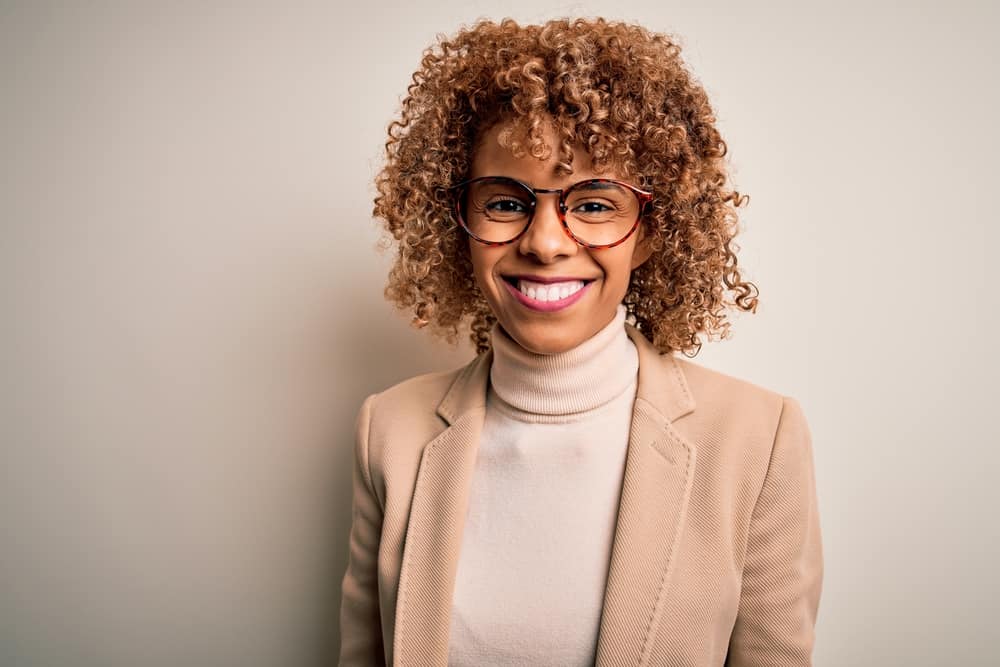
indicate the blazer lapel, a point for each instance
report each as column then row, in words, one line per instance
column 659, row 467
column 658, row 471
column 436, row 521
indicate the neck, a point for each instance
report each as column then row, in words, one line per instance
column 580, row 379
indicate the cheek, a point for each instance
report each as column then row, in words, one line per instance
column 476, row 259
column 483, row 259
column 618, row 268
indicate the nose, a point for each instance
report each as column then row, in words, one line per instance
column 545, row 238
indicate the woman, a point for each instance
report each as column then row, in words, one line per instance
column 578, row 493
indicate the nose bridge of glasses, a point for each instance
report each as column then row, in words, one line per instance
column 558, row 200
column 540, row 211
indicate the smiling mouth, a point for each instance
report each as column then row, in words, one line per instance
column 555, row 293
column 546, row 291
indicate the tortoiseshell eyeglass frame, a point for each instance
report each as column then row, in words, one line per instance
column 457, row 191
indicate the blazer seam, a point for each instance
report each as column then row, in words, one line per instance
column 681, row 378
column 366, row 411
column 447, row 405
column 763, row 484
column 673, row 548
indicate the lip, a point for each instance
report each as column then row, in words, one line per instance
column 545, row 279
column 547, row 306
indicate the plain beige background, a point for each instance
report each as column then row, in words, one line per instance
column 192, row 309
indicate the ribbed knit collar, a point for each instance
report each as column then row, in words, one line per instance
column 584, row 378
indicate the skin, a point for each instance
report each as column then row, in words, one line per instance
column 546, row 250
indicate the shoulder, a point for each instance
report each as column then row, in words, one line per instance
column 701, row 397
column 744, row 433
column 405, row 416
column 413, row 399
column 714, row 386
column 735, row 410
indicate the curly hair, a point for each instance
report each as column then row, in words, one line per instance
column 618, row 89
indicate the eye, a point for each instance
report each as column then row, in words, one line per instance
column 592, row 207
column 507, row 206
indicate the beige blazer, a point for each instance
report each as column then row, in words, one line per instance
column 717, row 558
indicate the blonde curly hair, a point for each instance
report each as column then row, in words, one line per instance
column 618, row 89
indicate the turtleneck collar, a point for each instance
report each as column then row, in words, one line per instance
column 584, row 378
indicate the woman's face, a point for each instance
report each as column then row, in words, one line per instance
column 545, row 253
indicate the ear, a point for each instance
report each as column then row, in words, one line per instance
column 642, row 250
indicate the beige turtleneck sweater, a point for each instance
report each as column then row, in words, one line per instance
column 543, row 504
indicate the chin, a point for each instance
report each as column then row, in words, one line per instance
column 552, row 342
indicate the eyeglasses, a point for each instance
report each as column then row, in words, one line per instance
column 596, row 213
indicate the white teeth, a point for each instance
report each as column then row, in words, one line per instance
column 550, row 291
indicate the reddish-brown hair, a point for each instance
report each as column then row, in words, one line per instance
column 618, row 89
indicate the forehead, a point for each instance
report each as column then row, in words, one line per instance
column 493, row 156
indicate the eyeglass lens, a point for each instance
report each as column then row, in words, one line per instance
column 597, row 212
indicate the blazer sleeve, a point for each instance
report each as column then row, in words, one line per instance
column 360, row 618
column 783, row 569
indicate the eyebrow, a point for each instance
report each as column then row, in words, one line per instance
column 598, row 186
column 595, row 186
